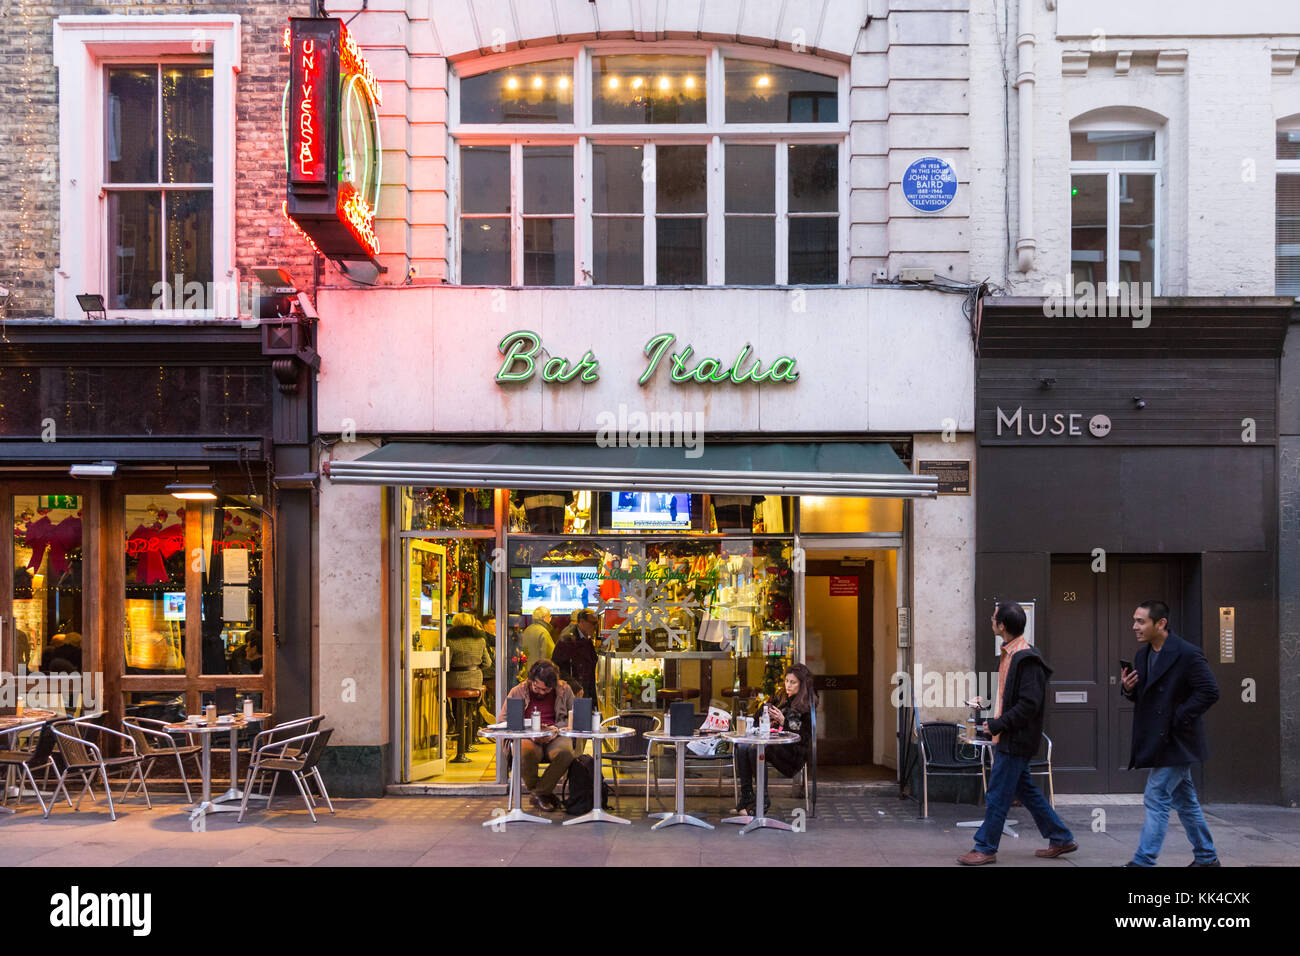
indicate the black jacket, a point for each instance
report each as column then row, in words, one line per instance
column 1021, row 725
column 1170, row 698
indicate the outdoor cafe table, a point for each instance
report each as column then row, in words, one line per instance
column 762, row 742
column 679, row 815
column 597, row 814
column 515, row 812
column 30, row 720
column 985, row 746
column 209, row 803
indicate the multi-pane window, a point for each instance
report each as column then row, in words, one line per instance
column 1288, row 211
column 658, row 169
column 1114, row 207
column 158, row 180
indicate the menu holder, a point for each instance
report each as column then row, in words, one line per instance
column 681, row 715
column 514, row 714
column 581, row 714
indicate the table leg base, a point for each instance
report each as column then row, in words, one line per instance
column 742, row 819
column 1006, row 826
column 596, row 816
column 238, row 795
column 515, row 816
column 211, row 806
column 760, row 823
column 672, row 819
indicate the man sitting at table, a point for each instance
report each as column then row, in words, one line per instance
column 545, row 693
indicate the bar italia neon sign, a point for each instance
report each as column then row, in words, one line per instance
column 331, row 140
column 520, row 350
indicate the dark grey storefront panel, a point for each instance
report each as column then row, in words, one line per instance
column 1136, row 500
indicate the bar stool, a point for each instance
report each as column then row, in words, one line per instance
column 464, row 701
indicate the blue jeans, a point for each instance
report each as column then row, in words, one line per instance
column 1010, row 778
column 1172, row 787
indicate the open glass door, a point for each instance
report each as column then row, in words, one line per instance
column 424, row 746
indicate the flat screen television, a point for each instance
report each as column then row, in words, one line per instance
column 561, row 590
column 649, row 511
column 173, row 605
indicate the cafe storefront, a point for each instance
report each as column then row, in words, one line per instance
column 728, row 493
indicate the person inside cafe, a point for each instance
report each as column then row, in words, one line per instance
column 247, row 658
column 538, row 641
column 575, row 652
column 792, row 712
column 467, row 654
column 544, row 693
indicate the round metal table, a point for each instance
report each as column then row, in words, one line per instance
column 679, row 815
column 514, row 812
column 761, row 742
column 209, row 803
column 597, row 814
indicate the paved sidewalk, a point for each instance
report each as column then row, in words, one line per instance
column 436, row 831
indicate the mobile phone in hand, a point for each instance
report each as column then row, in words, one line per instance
column 1125, row 665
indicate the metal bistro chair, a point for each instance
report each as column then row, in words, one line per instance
column 83, row 756
column 723, row 755
column 940, row 758
column 282, row 732
column 1041, row 766
column 153, row 742
column 40, row 757
column 271, row 758
column 634, row 748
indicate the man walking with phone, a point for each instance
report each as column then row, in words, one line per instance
column 1017, row 726
column 1172, row 687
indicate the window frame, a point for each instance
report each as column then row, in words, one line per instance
column 84, row 47
column 1283, row 167
column 1113, row 170
column 715, row 134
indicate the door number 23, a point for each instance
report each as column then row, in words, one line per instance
column 1069, row 596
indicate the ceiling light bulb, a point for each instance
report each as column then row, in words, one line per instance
column 613, row 82
column 690, row 82
column 512, row 83
column 537, row 82
column 637, row 83
column 764, row 81
column 664, row 83
column 564, row 83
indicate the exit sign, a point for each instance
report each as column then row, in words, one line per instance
column 59, row 501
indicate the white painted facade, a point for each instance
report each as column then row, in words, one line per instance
column 1214, row 82
column 418, row 358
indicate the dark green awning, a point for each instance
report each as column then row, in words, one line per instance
column 850, row 469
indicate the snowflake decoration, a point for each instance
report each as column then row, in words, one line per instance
column 647, row 607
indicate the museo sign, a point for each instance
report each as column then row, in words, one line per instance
column 1060, row 423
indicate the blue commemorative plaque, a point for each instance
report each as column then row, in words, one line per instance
column 930, row 184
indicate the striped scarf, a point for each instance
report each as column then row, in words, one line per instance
column 1009, row 650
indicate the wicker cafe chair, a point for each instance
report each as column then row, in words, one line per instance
column 940, row 758
column 40, row 757
column 83, row 756
column 634, row 748
column 271, row 758
column 153, row 743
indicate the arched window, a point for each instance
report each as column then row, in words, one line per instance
column 1116, row 198
column 687, row 165
column 1288, row 207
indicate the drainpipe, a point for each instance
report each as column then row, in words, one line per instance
column 1026, row 244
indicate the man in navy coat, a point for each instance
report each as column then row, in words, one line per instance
column 1172, row 687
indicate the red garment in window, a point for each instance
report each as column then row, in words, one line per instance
column 38, row 535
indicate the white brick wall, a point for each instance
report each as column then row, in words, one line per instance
column 1220, row 112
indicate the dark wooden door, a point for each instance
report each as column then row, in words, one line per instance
column 1089, row 629
column 838, row 601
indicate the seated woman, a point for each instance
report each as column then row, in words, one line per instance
column 793, row 713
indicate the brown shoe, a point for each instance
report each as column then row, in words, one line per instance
column 1052, row 852
column 976, row 858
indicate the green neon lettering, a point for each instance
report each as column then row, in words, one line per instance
column 736, row 376
column 786, row 374
column 709, row 371
column 654, row 350
column 589, row 368
column 518, row 346
column 680, row 372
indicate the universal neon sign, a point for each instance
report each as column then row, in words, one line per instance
column 331, row 139
column 520, row 350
